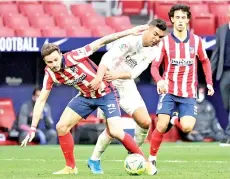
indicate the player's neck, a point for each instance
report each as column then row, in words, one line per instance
column 180, row 35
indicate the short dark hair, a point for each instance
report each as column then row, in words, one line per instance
column 35, row 90
column 178, row 7
column 159, row 23
column 49, row 48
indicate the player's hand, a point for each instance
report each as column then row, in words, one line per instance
column 95, row 84
column 29, row 137
column 136, row 30
column 110, row 76
column 161, row 87
column 210, row 90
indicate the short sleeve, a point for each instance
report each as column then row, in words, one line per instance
column 47, row 81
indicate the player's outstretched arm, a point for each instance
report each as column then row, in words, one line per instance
column 97, row 44
column 37, row 111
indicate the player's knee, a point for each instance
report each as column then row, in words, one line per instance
column 62, row 129
column 162, row 123
column 146, row 124
column 162, row 127
column 116, row 133
column 187, row 128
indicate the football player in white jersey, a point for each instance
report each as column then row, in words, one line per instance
column 124, row 62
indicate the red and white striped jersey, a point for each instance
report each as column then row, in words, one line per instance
column 77, row 71
column 180, row 64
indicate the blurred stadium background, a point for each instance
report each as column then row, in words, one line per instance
column 26, row 25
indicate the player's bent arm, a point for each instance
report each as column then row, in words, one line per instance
column 97, row 44
column 134, row 73
column 205, row 63
column 39, row 106
column 101, row 71
column 115, row 52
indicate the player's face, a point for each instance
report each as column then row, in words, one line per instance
column 154, row 35
column 180, row 20
column 53, row 61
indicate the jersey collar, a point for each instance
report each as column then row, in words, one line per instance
column 178, row 41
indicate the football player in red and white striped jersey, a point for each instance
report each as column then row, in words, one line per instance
column 177, row 87
column 75, row 69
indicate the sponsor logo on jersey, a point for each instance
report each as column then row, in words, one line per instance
column 77, row 80
column 123, row 47
column 130, row 62
column 182, row 61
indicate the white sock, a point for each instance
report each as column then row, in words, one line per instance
column 102, row 143
column 172, row 120
column 140, row 135
column 152, row 158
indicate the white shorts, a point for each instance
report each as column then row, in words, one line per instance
column 130, row 98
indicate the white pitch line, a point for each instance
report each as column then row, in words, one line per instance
column 81, row 160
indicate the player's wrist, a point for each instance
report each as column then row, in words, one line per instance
column 209, row 86
column 160, row 81
column 32, row 128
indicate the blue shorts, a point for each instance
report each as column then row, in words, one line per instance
column 85, row 106
column 169, row 103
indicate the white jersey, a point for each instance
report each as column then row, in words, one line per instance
column 128, row 55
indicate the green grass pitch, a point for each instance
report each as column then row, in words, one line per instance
column 175, row 161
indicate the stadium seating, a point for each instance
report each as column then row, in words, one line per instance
column 132, row 7
column 78, row 31
column 46, row 14
column 65, row 21
column 53, row 32
column 7, row 114
column 202, row 21
column 44, row 21
column 102, row 31
column 28, row 32
column 162, row 12
column 197, row 9
column 30, row 9
column 16, row 22
column 82, row 10
column 8, row 8
column 93, row 21
column 6, row 32
column 1, row 22
column 56, row 9
column 119, row 23
column 221, row 20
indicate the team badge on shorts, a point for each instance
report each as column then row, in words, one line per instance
column 159, row 106
column 195, row 109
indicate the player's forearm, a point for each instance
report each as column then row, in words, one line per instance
column 207, row 71
column 101, row 72
column 108, row 39
column 124, row 75
column 155, row 73
column 38, row 108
